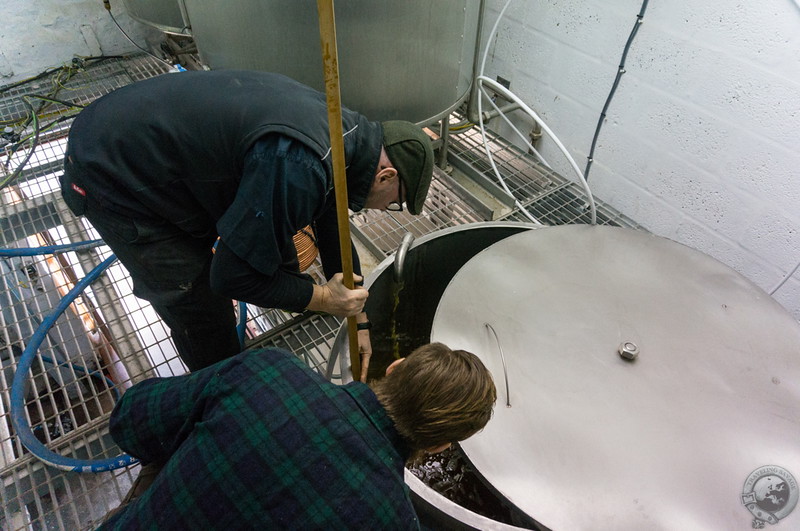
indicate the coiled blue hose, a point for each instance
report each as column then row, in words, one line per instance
column 51, row 249
column 93, row 373
column 18, row 417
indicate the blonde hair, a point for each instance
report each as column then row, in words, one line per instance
column 437, row 396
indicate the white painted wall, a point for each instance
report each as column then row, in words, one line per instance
column 41, row 34
column 702, row 140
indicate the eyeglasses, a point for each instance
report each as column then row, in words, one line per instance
column 397, row 206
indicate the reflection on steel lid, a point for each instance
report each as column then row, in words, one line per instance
column 647, row 382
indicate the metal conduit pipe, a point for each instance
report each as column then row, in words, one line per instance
column 488, row 115
column 475, row 93
column 441, row 156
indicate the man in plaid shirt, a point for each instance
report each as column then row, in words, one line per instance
column 261, row 441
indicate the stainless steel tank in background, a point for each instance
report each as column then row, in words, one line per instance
column 409, row 60
column 164, row 15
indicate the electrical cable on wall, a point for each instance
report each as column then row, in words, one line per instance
column 620, row 71
column 497, row 87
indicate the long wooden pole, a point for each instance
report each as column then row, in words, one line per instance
column 330, row 64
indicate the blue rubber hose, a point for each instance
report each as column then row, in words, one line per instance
column 93, row 373
column 18, row 417
column 51, row 249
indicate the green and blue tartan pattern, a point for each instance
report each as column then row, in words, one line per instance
column 260, row 441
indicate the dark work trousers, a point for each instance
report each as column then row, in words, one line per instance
column 170, row 269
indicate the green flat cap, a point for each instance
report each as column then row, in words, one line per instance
column 411, row 153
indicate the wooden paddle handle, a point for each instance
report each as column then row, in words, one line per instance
column 330, row 65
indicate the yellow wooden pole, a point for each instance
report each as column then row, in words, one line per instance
column 330, row 64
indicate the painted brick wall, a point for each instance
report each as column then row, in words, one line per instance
column 37, row 35
column 702, row 140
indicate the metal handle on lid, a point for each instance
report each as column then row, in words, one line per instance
column 503, row 358
column 400, row 256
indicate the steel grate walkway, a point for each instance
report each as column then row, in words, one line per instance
column 108, row 339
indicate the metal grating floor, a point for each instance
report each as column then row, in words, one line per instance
column 108, row 339
column 549, row 197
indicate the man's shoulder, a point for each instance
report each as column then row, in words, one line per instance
column 271, row 357
column 271, row 364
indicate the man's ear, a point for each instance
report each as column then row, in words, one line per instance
column 386, row 175
column 394, row 364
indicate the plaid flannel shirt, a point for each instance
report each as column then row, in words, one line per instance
column 260, row 441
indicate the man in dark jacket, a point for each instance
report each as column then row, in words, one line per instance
column 163, row 167
column 260, row 441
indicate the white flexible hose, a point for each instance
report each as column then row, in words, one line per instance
column 494, row 166
column 514, row 128
column 491, row 36
column 482, row 79
column 483, row 128
column 512, row 97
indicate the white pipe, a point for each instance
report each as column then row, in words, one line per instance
column 491, row 36
column 494, row 166
column 480, row 116
column 502, row 113
column 512, row 97
column 481, row 79
column 7, row 449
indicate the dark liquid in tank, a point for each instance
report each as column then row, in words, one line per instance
column 450, row 474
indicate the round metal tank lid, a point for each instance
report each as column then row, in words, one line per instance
column 650, row 386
